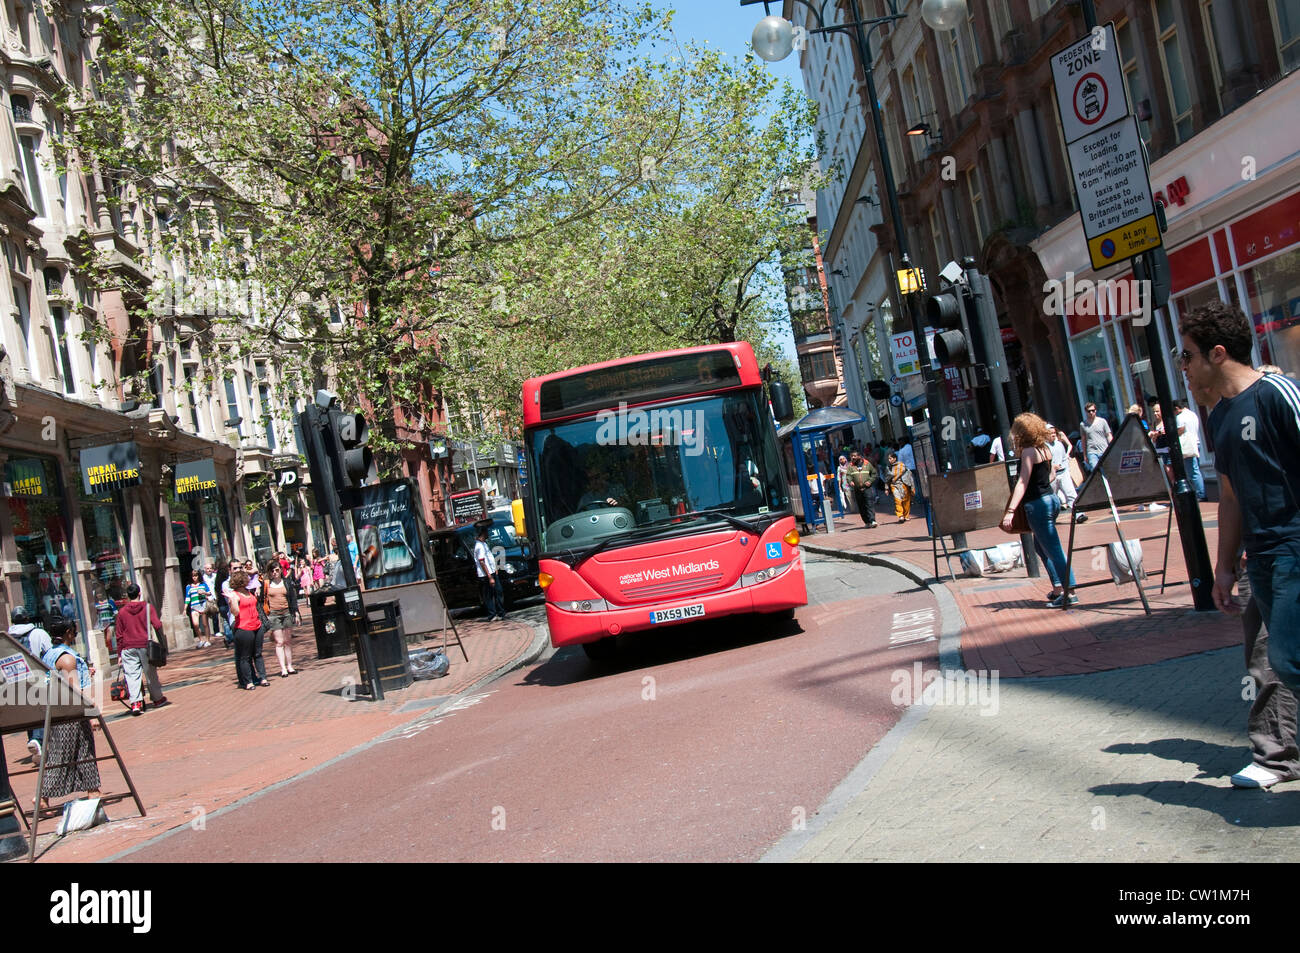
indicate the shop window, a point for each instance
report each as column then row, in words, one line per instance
column 1096, row 376
column 1273, row 287
column 979, row 207
column 41, row 542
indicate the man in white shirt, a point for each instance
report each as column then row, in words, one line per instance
column 1189, row 440
column 996, row 453
column 489, row 580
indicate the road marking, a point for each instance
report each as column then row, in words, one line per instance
column 912, row 627
column 428, row 721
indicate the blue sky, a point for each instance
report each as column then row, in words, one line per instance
column 725, row 25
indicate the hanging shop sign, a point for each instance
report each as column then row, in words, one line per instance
column 110, row 467
column 196, row 480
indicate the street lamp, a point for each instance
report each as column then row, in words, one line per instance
column 774, row 39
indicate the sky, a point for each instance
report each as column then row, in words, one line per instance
column 725, row 25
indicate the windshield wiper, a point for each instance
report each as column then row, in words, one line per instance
column 725, row 513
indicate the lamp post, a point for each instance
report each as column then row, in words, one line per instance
column 773, row 40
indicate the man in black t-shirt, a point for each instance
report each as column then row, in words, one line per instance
column 1256, row 429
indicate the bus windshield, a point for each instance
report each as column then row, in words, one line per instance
column 619, row 472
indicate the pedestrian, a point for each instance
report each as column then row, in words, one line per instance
column 317, row 570
column 489, row 579
column 1062, row 483
column 305, row 575
column 996, row 452
column 254, row 580
column 861, row 479
column 214, row 603
column 1256, row 434
column 901, row 487
column 196, row 604
column 1189, row 442
column 1097, row 435
column 248, row 634
column 279, row 608
column 354, row 554
column 134, row 619
column 1271, row 722
column 1034, row 488
column 70, row 754
column 841, row 483
column 36, row 641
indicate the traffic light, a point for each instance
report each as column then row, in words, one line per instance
column 952, row 339
column 350, row 460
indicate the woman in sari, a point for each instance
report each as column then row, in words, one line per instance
column 70, row 746
column 900, row 487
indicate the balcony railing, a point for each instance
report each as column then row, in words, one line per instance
column 22, row 113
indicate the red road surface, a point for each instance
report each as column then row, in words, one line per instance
column 704, row 743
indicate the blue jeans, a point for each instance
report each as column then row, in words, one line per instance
column 1040, row 513
column 1275, row 583
column 1193, row 467
column 1092, row 461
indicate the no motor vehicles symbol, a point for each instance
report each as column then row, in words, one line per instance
column 1090, row 98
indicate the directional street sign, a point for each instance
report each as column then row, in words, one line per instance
column 1115, row 201
column 1090, row 84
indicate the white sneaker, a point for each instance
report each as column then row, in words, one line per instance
column 1253, row 776
column 1157, row 507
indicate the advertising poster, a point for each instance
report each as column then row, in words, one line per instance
column 467, row 507
column 388, row 523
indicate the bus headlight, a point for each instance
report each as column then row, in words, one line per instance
column 583, row 605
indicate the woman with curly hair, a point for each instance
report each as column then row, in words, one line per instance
column 1029, row 434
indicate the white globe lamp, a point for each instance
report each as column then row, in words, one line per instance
column 773, row 38
column 943, row 15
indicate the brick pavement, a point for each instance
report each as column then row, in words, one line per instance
column 1126, row 766
column 216, row 743
column 1006, row 626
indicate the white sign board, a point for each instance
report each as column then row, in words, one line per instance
column 903, row 346
column 1090, row 92
column 1115, row 202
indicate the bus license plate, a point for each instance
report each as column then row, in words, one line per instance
column 678, row 614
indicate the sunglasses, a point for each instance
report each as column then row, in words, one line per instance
column 1184, row 357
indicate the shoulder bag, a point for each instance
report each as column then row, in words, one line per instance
column 157, row 653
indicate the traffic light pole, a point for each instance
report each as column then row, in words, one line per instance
column 327, row 498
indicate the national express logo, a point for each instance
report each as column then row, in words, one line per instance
column 668, row 572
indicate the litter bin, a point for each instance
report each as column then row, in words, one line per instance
column 330, row 622
column 388, row 646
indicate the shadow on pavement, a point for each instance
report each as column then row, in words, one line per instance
column 639, row 650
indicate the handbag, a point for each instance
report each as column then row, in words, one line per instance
column 157, row 653
column 1019, row 521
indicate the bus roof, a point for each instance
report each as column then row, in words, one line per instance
column 666, row 375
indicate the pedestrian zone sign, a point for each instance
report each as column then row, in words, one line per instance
column 1107, row 160
column 1115, row 200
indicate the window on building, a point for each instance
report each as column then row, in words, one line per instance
column 25, row 329
column 1137, row 85
column 32, row 173
column 22, row 107
column 264, row 398
column 978, row 204
column 1216, row 62
column 232, row 402
column 954, row 72
column 1171, row 58
column 818, row 366
column 1286, row 27
column 59, row 346
column 1039, row 7
column 1272, row 286
column 1000, row 25
column 191, row 397
column 939, row 238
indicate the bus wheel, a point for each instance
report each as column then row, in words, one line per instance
column 602, row 650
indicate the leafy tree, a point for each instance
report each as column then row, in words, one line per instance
column 439, row 197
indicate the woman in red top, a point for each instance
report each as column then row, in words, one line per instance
column 248, row 634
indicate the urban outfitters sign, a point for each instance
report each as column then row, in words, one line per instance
column 110, row 467
column 196, row 480
column 26, row 478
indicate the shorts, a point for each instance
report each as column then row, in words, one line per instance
column 279, row 620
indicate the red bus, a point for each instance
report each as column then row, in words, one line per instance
column 655, row 495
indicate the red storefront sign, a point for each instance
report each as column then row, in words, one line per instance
column 1191, row 265
column 1270, row 229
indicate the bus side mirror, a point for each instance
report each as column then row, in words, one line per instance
column 517, row 514
column 782, row 405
